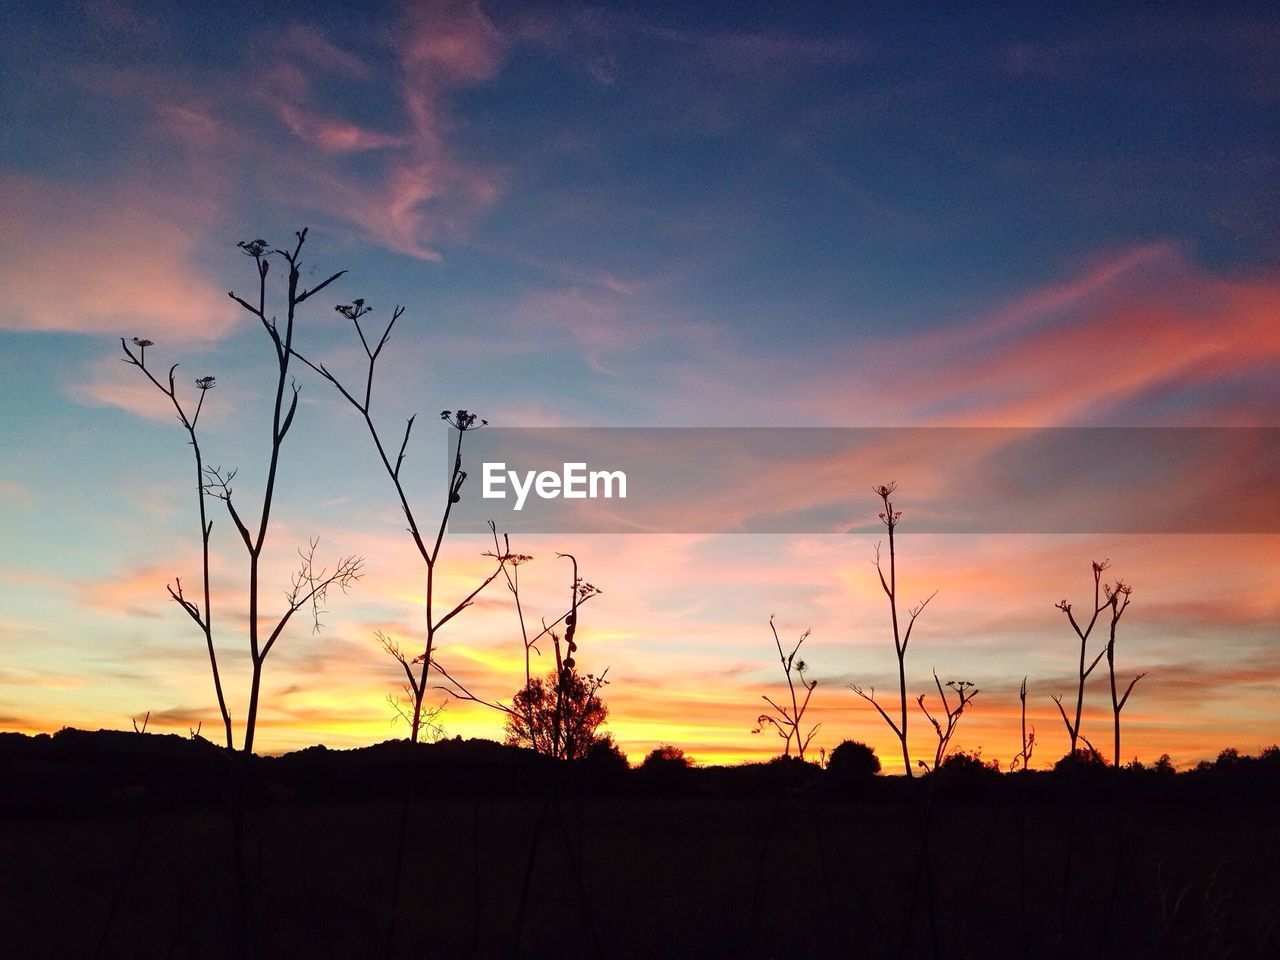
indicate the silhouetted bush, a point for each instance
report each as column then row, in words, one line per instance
column 605, row 758
column 558, row 715
column 968, row 767
column 666, row 770
column 852, row 762
column 666, row 757
column 1079, row 759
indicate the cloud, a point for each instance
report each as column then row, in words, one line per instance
column 1092, row 348
column 417, row 190
column 356, row 139
column 109, row 382
column 106, row 261
column 16, row 492
column 1144, row 337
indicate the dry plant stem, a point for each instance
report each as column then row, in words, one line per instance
column 788, row 723
column 560, row 743
column 561, row 679
column 563, row 738
column 901, row 637
column 416, row 681
column 203, row 618
column 1083, row 672
column 1118, row 599
column 964, row 690
column 512, row 573
column 281, row 420
column 1023, row 758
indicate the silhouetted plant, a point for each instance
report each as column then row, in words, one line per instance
column 1118, row 600
column 890, row 517
column 1023, row 759
column 606, row 756
column 968, row 763
column 965, row 693
column 529, row 640
column 666, row 757
column 558, row 715
column 202, row 614
column 1101, row 601
column 415, row 667
column 309, row 585
column 551, row 733
column 145, row 720
column 1083, row 758
column 852, row 761
column 788, row 722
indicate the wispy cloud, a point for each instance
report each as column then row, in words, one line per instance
column 94, row 260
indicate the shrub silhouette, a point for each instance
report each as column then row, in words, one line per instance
column 536, row 718
column 785, row 721
column 1081, row 758
column 666, row 757
column 605, row 756
column 968, row 764
column 852, row 762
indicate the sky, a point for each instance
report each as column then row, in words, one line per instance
column 640, row 215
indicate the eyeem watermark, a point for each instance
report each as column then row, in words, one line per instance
column 573, row 482
column 819, row 480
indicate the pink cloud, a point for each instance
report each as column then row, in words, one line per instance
column 272, row 120
column 109, row 382
column 119, row 261
column 333, row 134
column 421, row 190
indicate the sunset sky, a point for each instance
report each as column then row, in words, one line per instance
column 633, row 215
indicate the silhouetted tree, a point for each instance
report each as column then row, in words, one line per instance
column 788, row 721
column 580, row 593
column 901, row 637
column 965, row 693
column 558, row 715
column 522, row 713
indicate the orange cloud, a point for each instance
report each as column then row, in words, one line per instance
column 1087, row 350
column 1097, row 348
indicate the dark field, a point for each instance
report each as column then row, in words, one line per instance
column 655, row 869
